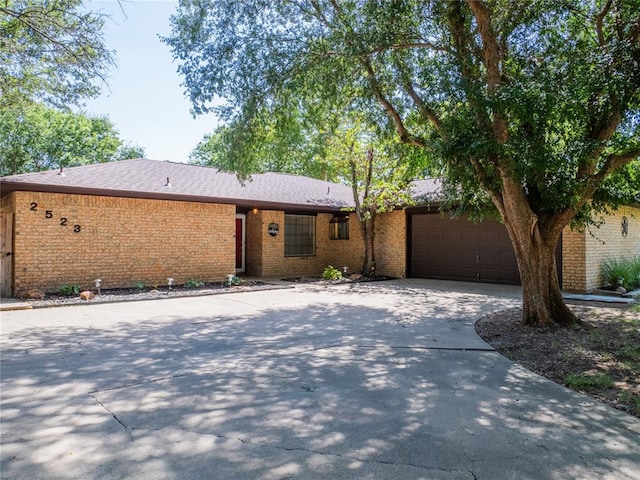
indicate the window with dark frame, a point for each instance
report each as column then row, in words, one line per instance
column 299, row 235
column 339, row 227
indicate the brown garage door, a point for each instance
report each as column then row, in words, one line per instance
column 459, row 249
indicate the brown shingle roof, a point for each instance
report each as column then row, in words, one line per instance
column 144, row 178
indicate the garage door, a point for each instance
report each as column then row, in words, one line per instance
column 459, row 249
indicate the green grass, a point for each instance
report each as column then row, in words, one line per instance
column 630, row 399
column 630, row 352
column 588, row 382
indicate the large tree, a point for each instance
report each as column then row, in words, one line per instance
column 531, row 106
column 42, row 138
column 51, row 51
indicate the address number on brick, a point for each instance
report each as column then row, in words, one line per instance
column 33, row 206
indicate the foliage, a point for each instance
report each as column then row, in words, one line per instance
column 531, row 109
column 265, row 146
column 379, row 171
column 51, row 52
column 68, row 290
column 588, row 382
column 128, row 151
column 140, row 285
column 193, row 283
column 41, row 138
column 625, row 273
column 235, row 281
column 331, row 273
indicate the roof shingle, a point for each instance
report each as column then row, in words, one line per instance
column 145, row 178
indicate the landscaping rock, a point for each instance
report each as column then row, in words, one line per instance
column 87, row 295
column 355, row 276
column 35, row 294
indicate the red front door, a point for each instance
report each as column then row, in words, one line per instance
column 239, row 242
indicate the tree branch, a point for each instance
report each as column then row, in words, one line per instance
column 424, row 110
column 599, row 20
column 492, row 59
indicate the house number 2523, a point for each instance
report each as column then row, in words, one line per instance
column 48, row 214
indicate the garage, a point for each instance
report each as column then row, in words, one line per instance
column 459, row 249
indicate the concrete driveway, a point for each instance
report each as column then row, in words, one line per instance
column 364, row 381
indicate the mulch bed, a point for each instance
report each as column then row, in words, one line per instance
column 606, row 344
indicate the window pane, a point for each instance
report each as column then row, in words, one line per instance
column 299, row 235
column 339, row 231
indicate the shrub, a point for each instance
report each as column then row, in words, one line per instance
column 69, row 290
column 235, row 280
column 140, row 285
column 621, row 272
column 331, row 273
column 193, row 283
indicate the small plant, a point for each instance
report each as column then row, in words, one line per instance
column 588, row 382
column 621, row 273
column 69, row 290
column 193, row 283
column 235, row 281
column 331, row 273
column 140, row 285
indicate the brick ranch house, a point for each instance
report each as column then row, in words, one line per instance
column 144, row 221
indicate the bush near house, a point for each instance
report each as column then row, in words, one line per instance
column 625, row 273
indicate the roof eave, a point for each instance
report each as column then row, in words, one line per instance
column 242, row 203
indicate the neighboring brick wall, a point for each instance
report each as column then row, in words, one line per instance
column 121, row 240
column 391, row 243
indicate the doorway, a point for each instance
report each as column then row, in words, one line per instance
column 241, row 242
column 6, row 254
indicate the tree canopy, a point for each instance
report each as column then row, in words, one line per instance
column 51, row 51
column 531, row 108
column 42, row 138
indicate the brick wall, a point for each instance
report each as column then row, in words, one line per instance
column 391, row 243
column 606, row 242
column 120, row 240
column 265, row 254
column 573, row 261
column 583, row 253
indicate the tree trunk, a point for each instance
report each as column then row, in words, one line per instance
column 534, row 242
column 367, row 227
column 542, row 301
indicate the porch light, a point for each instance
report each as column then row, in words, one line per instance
column 98, row 284
column 255, row 211
column 339, row 218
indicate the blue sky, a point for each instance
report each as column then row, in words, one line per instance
column 145, row 99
